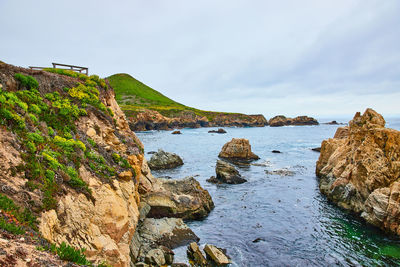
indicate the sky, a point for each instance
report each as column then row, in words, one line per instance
column 310, row 57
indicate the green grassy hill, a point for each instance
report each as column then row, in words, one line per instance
column 133, row 96
column 130, row 91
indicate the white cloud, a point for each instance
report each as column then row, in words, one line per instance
column 270, row 57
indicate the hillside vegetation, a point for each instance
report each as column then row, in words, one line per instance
column 134, row 96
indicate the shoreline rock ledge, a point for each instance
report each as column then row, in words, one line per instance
column 359, row 170
column 238, row 149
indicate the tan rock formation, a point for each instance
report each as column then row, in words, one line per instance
column 359, row 170
column 238, row 149
column 281, row 120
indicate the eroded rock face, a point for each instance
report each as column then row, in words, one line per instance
column 226, row 174
column 238, row 149
column 281, row 120
column 164, row 160
column 104, row 222
column 359, row 169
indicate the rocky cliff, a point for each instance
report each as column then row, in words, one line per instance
column 69, row 157
column 147, row 119
column 359, row 169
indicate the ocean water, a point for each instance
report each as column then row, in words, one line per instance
column 296, row 224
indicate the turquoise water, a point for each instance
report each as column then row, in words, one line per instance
column 297, row 225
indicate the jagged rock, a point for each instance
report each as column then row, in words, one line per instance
column 183, row 198
column 281, row 120
column 226, row 174
column 125, row 175
column 164, row 160
column 219, row 131
column 168, row 255
column 238, row 149
column 176, row 132
column 194, row 253
column 164, row 233
column 155, row 257
column 216, row 255
column 359, row 170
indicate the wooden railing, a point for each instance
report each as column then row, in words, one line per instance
column 66, row 67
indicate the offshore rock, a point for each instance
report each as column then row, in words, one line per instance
column 183, row 198
column 281, row 120
column 359, row 170
column 226, row 174
column 238, row 149
column 176, row 132
column 164, row 160
column 219, row 131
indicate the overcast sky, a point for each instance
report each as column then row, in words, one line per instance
column 317, row 58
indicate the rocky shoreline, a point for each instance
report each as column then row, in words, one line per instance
column 147, row 120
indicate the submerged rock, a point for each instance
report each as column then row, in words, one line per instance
column 226, row 174
column 216, row 255
column 219, row 131
column 164, row 160
column 359, row 170
column 237, row 149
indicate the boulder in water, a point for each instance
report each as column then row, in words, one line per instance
column 219, row 131
column 238, row 149
column 164, row 160
column 226, row 174
column 176, row 132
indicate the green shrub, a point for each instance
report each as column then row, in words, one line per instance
column 68, row 253
column 11, row 227
column 31, row 147
column 27, row 81
column 92, row 142
column 51, row 160
column 24, row 217
column 33, row 118
column 36, row 137
column 35, row 109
